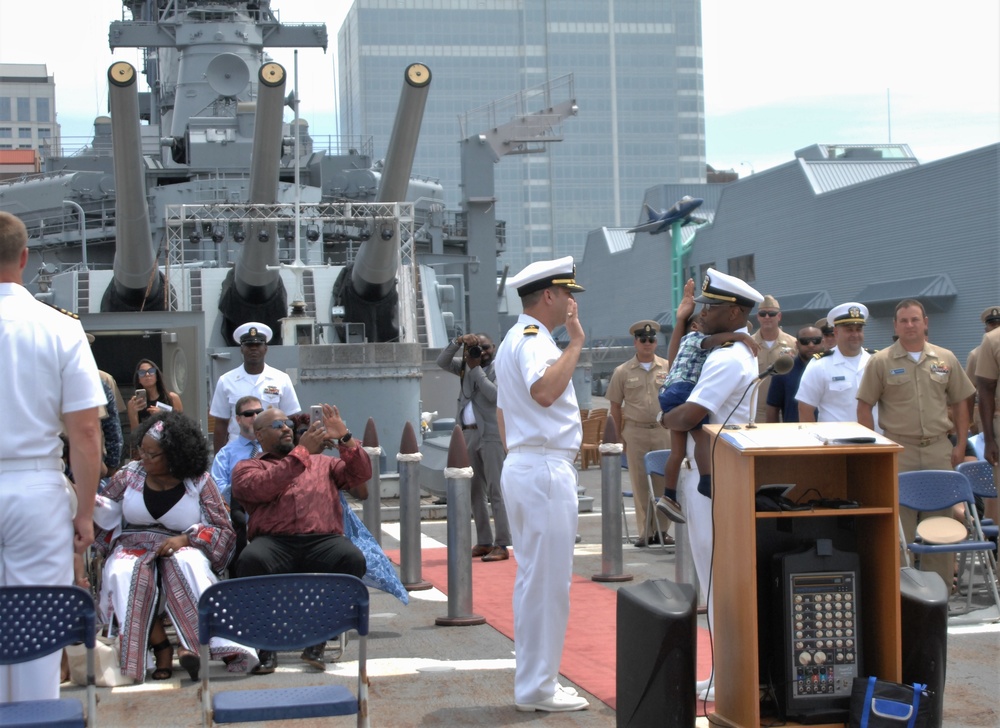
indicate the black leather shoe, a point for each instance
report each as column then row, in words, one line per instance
column 314, row 656
column 640, row 543
column 268, row 662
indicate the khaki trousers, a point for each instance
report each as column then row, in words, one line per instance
column 641, row 440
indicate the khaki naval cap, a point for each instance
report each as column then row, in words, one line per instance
column 544, row 274
column 991, row 315
column 770, row 302
column 644, row 328
column 722, row 288
column 252, row 332
column 848, row 313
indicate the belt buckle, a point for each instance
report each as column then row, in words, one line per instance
column 925, row 442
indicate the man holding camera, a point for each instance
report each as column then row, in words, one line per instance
column 477, row 415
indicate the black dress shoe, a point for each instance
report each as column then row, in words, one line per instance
column 314, row 656
column 268, row 662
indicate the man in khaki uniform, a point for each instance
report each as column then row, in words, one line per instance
column 991, row 320
column 914, row 383
column 633, row 395
column 987, row 374
column 773, row 342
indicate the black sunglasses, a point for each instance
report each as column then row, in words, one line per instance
column 767, row 314
column 814, row 340
column 147, row 372
column 827, row 332
column 278, row 424
column 645, row 339
column 249, row 413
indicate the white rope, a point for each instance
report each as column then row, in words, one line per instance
column 611, row 448
column 458, row 473
column 409, row 457
column 373, row 451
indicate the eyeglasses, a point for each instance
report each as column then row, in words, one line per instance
column 814, row 340
column 149, row 455
column 767, row 314
column 827, row 332
column 645, row 339
column 278, row 424
column 147, row 372
column 249, row 413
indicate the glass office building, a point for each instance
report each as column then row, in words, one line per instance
column 637, row 80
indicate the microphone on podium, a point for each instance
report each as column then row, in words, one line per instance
column 782, row 365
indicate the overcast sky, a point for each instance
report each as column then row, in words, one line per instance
column 779, row 74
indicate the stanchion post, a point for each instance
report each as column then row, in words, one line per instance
column 611, row 507
column 458, row 479
column 371, row 509
column 408, row 462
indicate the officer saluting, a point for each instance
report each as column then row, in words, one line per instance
column 539, row 420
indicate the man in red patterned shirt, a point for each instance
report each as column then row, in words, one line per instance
column 292, row 497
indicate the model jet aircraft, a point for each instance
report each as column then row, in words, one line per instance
column 657, row 222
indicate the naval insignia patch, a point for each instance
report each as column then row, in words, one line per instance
column 530, row 330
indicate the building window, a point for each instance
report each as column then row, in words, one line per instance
column 6, row 131
column 23, row 108
column 44, row 133
column 24, row 132
column 5, row 108
column 6, row 146
column 743, row 268
column 42, row 112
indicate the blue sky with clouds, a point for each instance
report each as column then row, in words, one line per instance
column 779, row 74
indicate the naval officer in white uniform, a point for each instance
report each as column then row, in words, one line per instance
column 830, row 382
column 539, row 420
column 50, row 385
column 728, row 373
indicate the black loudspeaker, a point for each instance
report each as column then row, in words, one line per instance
column 657, row 650
column 924, row 610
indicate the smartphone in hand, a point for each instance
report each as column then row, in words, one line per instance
column 140, row 395
column 316, row 413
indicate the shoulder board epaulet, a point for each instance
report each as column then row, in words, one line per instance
column 822, row 354
column 728, row 343
column 871, row 351
column 61, row 310
column 530, row 330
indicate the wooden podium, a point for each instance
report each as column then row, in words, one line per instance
column 807, row 455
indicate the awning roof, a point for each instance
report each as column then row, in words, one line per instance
column 937, row 293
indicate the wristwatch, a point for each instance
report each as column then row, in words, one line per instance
column 659, row 417
column 345, row 438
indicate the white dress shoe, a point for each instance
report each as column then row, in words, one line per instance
column 566, row 689
column 561, row 702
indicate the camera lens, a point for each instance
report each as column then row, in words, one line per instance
column 475, row 351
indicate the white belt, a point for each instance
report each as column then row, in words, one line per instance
column 52, row 463
column 537, row 450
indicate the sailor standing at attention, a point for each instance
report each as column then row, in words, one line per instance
column 539, row 419
column 51, row 385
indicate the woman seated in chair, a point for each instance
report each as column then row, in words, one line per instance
column 163, row 527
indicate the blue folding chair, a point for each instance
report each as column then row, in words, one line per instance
column 284, row 612
column 980, row 475
column 656, row 464
column 36, row 621
column 935, row 490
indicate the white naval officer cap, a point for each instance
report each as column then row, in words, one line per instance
column 848, row 313
column 721, row 288
column 252, row 332
column 543, row 274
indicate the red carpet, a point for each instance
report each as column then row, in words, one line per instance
column 588, row 658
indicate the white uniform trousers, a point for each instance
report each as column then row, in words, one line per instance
column 698, row 512
column 540, row 493
column 36, row 547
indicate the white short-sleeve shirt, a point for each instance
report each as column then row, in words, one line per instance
column 48, row 370
column 272, row 387
column 830, row 384
column 522, row 358
column 727, row 373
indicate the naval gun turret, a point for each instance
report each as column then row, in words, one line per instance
column 367, row 288
column 253, row 290
column 137, row 284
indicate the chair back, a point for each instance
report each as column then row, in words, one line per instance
column 656, row 461
column 38, row 620
column 980, row 475
column 933, row 490
column 283, row 611
column 591, row 432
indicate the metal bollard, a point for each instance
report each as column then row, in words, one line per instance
column 611, row 507
column 458, row 476
column 371, row 509
column 408, row 462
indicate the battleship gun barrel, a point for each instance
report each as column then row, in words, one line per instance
column 253, row 280
column 374, row 272
column 137, row 282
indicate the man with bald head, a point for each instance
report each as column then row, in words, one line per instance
column 292, row 496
